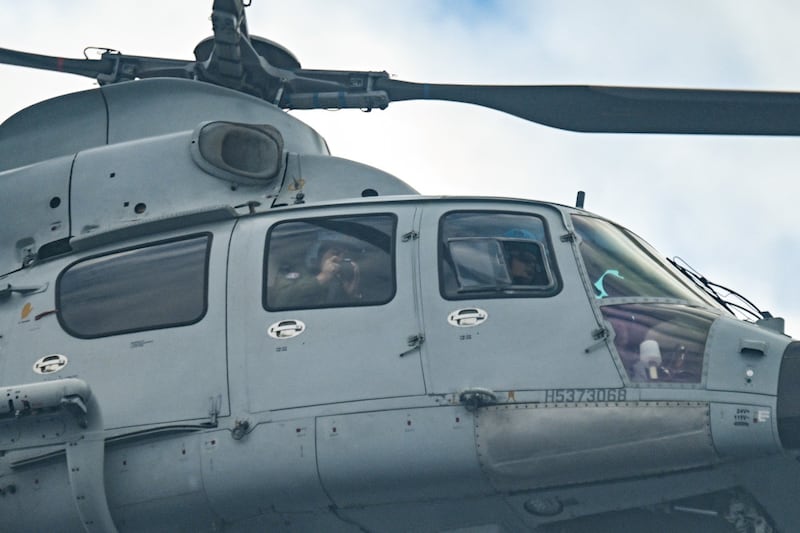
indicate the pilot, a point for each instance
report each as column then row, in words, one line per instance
column 524, row 263
column 332, row 278
column 524, row 267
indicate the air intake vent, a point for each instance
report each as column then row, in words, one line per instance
column 246, row 154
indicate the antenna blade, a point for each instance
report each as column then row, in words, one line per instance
column 623, row 109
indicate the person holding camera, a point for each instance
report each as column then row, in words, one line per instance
column 333, row 279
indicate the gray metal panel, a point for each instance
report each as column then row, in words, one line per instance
column 153, row 470
column 326, row 521
column 183, row 513
column 152, row 226
column 529, row 343
column 152, row 107
column 138, row 378
column 744, row 431
column 22, row 316
column 594, row 500
column 271, row 469
column 327, row 178
column 143, row 108
column 543, row 445
column 42, row 499
column 156, row 485
column 487, row 514
column 34, row 207
column 399, row 456
column 156, row 174
column 61, row 126
column 734, row 361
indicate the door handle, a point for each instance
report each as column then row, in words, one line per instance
column 50, row 363
column 286, row 329
column 465, row 318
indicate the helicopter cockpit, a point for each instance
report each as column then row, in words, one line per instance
column 660, row 321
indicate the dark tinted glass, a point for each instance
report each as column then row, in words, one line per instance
column 158, row 286
column 330, row 262
column 491, row 255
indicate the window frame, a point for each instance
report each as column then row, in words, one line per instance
column 206, row 268
column 311, row 220
column 516, row 291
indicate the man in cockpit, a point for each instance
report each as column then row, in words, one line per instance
column 524, row 266
column 333, row 278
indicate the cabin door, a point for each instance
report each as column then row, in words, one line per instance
column 141, row 321
column 320, row 308
column 504, row 305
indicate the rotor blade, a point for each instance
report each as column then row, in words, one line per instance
column 623, row 109
column 82, row 67
column 112, row 66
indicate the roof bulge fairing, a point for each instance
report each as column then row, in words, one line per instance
column 136, row 110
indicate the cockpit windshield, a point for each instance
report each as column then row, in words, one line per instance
column 620, row 265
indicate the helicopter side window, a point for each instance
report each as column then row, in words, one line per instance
column 157, row 286
column 660, row 343
column 495, row 254
column 330, row 262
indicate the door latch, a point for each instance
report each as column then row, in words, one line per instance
column 414, row 342
column 477, row 397
column 600, row 335
column 410, row 236
column 5, row 292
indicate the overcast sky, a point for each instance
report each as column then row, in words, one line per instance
column 728, row 206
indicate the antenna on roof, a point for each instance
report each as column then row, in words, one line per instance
column 579, row 200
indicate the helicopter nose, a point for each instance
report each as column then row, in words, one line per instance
column 789, row 397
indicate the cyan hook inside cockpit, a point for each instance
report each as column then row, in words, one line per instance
column 599, row 283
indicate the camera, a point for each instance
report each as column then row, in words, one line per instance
column 346, row 269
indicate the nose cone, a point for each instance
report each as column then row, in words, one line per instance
column 789, row 397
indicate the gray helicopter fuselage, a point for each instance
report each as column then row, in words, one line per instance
column 141, row 259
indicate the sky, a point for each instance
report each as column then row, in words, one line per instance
column 725, row 205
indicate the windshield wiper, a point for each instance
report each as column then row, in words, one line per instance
column 713, row 290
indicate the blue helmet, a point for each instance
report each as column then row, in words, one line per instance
column 518, row 233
